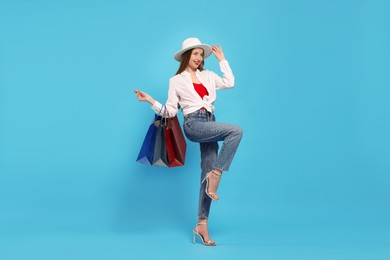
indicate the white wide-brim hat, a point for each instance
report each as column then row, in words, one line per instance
column 192, row 43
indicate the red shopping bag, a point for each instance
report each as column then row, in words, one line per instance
column 175, row 142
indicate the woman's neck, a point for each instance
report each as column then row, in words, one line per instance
column 190, row 70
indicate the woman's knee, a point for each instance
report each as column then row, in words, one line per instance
column 237, row 131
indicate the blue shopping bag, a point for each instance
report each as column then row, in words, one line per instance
column 146, row 153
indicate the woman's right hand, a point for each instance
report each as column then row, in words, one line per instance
column 217, row 50
column 142, row 96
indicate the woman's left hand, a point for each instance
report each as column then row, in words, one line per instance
column 217, row 50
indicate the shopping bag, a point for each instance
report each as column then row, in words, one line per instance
column 146, row 153
column 164, row 143
column 175, row 142
column 160, row 150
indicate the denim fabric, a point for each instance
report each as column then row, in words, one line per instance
column 200, row 126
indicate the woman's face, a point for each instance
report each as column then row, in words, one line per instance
column 196, row 58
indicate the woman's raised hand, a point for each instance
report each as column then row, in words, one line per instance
column 142, row 96
column 217, row 50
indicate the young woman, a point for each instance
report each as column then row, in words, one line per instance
column 193, row 89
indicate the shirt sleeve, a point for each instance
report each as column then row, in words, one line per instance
column 172, row 104
column 227, row 81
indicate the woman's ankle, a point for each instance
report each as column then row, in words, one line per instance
column 217, row 172
column 202, row 221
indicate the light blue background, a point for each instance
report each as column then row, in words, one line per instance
column 311, row 176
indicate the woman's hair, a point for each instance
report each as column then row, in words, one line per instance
column 185, row 59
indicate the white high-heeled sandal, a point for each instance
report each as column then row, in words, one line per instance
column 207, row 185
column 196, row 232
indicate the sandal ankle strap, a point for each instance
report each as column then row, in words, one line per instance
column 216, row 173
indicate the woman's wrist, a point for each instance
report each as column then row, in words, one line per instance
column 151, row 100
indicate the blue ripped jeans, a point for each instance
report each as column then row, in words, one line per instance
column 200, row 127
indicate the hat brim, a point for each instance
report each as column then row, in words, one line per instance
column 206, row 51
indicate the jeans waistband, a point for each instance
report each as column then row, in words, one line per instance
column 200, row 112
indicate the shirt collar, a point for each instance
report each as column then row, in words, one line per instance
column 186, row 73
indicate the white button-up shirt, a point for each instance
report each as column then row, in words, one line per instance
column 182, row 92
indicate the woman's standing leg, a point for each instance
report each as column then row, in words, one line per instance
column 208, row 154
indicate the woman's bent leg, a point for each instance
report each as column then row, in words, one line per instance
column 204, row 132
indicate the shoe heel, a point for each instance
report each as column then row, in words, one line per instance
column 204, row 179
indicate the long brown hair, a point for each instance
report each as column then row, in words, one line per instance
column 185, row 59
